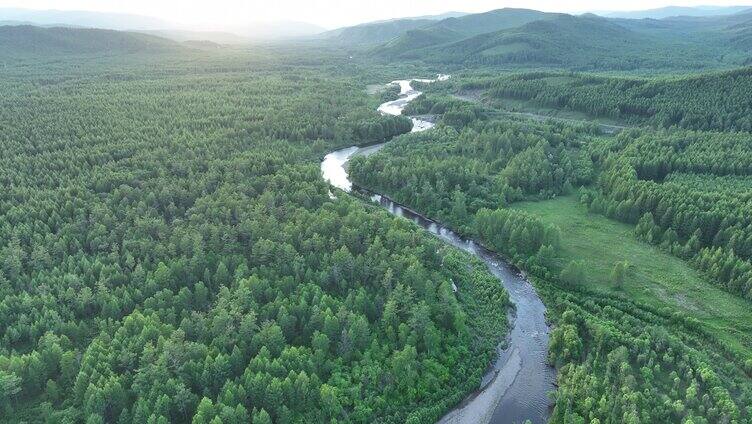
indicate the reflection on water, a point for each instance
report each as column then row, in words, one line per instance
column 333, row 168
column 408, row 94
column 517, row 386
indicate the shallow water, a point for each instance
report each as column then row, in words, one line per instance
column 517, row 385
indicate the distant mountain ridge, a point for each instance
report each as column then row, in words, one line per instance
column 456, row 29
column 529, row 38
column 374, row 33
column 557, row 40
column 378, row 32
column 504, row 37
column 131, row 22
column 28, row 40
column 441, row 16
column 411, row 33
column 493, row 20
column 21, row 23
column 438, row 17
column 673, row 11
column 80, row 18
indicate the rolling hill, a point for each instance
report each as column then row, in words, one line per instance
column 27, row 40
column 494, row 20
column 713, row 101
column 378, row 32
column 220, row 33
column 406, row 45
column 441, row 16
column 455, row 29
column 672, row 11
column 374, row 32
column 740, row 36
column 563, row 40
column 80, row 18
column 730, row 36
column 526, row 38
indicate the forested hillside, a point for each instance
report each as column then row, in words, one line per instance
column 456, row 29
column 672, row 41
column 33, row 41
column 374, row 33
column 169, row 253
column 706, row 102
column 571, row 42
column 523, row 38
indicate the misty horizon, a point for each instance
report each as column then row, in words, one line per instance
column 197, row 21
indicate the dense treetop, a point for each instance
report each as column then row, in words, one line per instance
column 35, row 41
column 618, row 360
column 169, row 253
column 717, row 101
column 681, row 188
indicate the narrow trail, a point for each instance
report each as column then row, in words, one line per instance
column 517, row 384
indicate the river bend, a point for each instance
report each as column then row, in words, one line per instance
column 517, row 384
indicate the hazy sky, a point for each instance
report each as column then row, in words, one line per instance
column 329, row 13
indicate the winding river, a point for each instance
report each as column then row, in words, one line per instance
column 517, row 384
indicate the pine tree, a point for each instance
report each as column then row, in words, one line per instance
column 459, row 208
column 618, row 274
column 573, row 273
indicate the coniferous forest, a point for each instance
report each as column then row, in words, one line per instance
column 715, row 101
column 685, row 192
column 170, row 253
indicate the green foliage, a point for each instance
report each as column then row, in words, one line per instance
column 621, row 362
column 169, row 253
column 454, row 112
column 687, row 192
column 410, row 43
column 654, row 277
column 391, row 92
column 573, row 273
column 530, row 39
column 516, row 234
column 490, row 163
column 618, row 274
column 565, row 344
column 706, row 102
column 626, row 350
column 31, row 41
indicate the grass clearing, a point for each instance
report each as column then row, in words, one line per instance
column 653, row 277
column 532, row 107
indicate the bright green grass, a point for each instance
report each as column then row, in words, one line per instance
column 654, row 277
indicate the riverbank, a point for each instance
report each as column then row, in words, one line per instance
column 517, row 385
